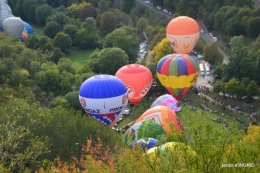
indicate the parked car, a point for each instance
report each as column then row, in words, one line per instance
column 170, row 13
column 202, row 31
column 200, row 56
column 211, row 35
column 159, row 8
column 164, row 10
column 126, row 111
column 215, row 38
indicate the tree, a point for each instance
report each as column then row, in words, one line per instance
column 84, row 39
column 63, row 41
column 89, row 24
column 233, row 88
column 141, row 24
column 51, row 29
column 108, row 22
column 124, row 38
column 20, row 149
column 60, row 18
column 162, row 49
column 127, row 5
column 253, row 27
column 102, row 6
column 31, row 41
column 57, row 54
column 252, row 89
column 110, row 60
column 87, row 11
column 71, row 30
column 29, row 7
column 211, row 53
column 41, row 14
column 19, row 76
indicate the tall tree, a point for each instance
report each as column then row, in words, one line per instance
column 102, row 6
column 127, row 5
column 162, row 49
column 41, row 14
column 108, row 22
column 124, row 38
column 51, row 29
column 63, row 41
column 110, row 60
column 211, row 53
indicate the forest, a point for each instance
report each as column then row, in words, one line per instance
column 43, row 127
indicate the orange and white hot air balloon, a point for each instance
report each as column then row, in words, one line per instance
column 163, row 116
column 138, row 80
column 183, row 33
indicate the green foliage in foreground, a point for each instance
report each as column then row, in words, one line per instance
column 30, row 134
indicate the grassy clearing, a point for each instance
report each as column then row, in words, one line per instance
column 37, row 28
column 193, row 118
column 78, row 58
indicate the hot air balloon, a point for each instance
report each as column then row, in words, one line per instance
column 143, row 129
column 13, row 26
column 148, row 143
column 168, row 101
column 177, row 73
column 24, row 36
column 27, row 28
column 183, row 33
column 138, row 80
column 5, row 12
column 181, row 153
column 163, row 116
column 103, row 97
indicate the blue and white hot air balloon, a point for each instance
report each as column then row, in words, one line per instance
column 104, row 98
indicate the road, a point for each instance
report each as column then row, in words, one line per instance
column 204, row 36
column 257, row 3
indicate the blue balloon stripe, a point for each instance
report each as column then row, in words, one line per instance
column 102, row 86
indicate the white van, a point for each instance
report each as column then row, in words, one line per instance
column 207, row 71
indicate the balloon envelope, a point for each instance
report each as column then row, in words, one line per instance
column 27, row 28
column 177, row 73
column 168, row 101
column 169, row 151
column 143, row 129
column 148, row 142
column 103, row 97
column 163, row 116
column 138, row 80
column 5, row 12
column 13, row 26
column 183, row 33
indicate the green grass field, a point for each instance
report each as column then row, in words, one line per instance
column 190, row 118
column 37, row 28
column 78, row 58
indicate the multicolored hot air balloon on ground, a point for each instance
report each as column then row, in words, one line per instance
column 177, row 73
column 181, row 153
column 163, row 116
column 168, row 101
column 183, row 33
column 138, row 80
column 104, row 98
column 143, row 129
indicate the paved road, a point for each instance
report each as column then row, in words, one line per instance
column 257, row 3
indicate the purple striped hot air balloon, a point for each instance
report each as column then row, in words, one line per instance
column 177, row 73
column 168, row 101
